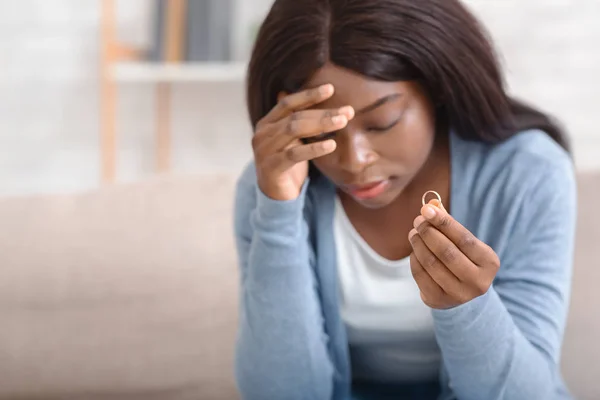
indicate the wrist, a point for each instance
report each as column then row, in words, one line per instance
column 280, row 211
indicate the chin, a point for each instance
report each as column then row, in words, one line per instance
column 378, row 202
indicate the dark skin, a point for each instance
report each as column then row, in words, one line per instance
column 359, row 131
column 392, row 136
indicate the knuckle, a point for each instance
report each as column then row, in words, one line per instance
column 259, row 125
column 285, row 104
column 495, row 262
column 449, row 254
column 481, row 287
column 445, row 221
column 481, row 290
column 291, row 154
column 292, row 127
column 425, row 229
column 431, row 262
column 467, row 240
column 262, row 129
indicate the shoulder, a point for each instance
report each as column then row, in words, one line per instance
column 536, row 174
column 539, row 167
column 534, row 204
column 528, row 159
column 505, row 185
column 533, row 152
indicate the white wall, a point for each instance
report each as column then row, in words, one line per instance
column 49, row 94
column 551, row 52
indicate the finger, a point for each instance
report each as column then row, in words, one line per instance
column 473, row 248
column 293, row 128
column 299, row 101
column 301, row 125
column 287, row 124
column 446, row 251
column 430, row 291
column 434, row 267
column 437, row 203
column 286, row 159
column 317, row 114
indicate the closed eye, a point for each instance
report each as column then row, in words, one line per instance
column 383, row 128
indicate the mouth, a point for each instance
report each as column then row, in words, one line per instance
column 369, row 190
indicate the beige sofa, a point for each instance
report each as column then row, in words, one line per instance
column 129, row 292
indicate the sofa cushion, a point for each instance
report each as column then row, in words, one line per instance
column 127, row 290
column 581, row 350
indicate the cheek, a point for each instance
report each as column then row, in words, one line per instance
column 325, row 165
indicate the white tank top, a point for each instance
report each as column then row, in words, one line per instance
column 390, row 330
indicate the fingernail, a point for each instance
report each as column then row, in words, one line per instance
column 429, row 212
column 437, row 204
column 411, row 234
column 326, row 89
column 418, row 221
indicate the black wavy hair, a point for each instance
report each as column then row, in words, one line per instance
column 436, row 42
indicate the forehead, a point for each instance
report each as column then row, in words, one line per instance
column 354, row 89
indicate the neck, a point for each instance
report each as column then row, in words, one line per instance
column 435, row 175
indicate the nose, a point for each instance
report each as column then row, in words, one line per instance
column 355, row 152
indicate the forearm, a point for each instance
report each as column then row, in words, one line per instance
column 488, row 357
column 281, row 351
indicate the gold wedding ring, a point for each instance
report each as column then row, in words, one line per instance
column 424, row 199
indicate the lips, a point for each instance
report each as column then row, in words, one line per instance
column 369, row 190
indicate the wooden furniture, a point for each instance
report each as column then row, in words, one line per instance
column 123, row 64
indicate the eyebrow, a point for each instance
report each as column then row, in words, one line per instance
column 378, row 103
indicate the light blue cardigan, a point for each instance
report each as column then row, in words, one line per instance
column 519, row 197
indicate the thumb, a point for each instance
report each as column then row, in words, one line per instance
column 438, row 204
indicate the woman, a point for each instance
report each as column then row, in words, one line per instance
column 351, row 287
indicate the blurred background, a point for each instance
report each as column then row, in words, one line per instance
column 51, row 62
column 123, row 128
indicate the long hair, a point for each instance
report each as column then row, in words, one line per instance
column 438, row 43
